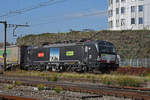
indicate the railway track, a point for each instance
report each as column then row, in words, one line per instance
column 126, row 92
column 7, row 97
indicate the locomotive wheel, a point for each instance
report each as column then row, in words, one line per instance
column 61, row 68
column 84, row 69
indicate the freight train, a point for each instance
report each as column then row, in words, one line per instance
column 86, row 56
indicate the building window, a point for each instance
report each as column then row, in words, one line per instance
column 117, row 23
column 140, row 20
column 110, row 24
column 122, row 10
column 132, row 8
column 117, row 1
column 110, row 2
column 140, row 8
column 110, row 13
column 117, row 10
column 132, row 20
column 122, row 22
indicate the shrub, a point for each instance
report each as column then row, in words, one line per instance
column 41, row 87
column 10, row 86
column 58, row 89
column 53, row 78
column 128, row 81
column 107, row 80
column 122, row 80
column 18, row 83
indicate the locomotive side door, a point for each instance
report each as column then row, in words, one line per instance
column 90, row 54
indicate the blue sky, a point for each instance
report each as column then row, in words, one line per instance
column 52, row 16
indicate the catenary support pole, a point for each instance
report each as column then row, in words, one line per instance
column 5, row 39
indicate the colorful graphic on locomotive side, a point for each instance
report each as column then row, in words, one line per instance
column 69, row 53
column 54, row 54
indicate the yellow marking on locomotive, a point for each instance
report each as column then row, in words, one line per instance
column 71, row 62
column 69, row 53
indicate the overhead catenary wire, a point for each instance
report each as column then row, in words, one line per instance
column 51, row 2
column 101, row 13
column 71, row 17
column 33, row 7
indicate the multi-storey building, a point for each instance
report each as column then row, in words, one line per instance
column 128, row 14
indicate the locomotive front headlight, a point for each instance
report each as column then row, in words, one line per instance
column 98, row 58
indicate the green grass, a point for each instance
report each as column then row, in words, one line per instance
column 10, row 86
column 53, row 78
column 40, row 87
column 108, row 79
column 58, row 89
column 129, row 81
column 18, row 83
column 122, row 80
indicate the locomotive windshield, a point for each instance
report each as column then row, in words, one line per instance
column 106, row 47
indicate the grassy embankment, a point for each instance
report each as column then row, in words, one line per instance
column 129, row 44
column 110, row 79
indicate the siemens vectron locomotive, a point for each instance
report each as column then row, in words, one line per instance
column 80, row 57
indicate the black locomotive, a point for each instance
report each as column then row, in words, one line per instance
column 80, row 57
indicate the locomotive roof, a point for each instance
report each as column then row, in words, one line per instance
column 63, row 44
column 77, row 44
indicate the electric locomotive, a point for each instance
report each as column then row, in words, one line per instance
column 80, row 57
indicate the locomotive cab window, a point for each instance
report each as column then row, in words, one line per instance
column 106, row 48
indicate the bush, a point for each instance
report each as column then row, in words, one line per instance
column 58, row 89
column 18, row 83
column 121, row 80
column 107, row 80
column 10, row 86
column 41, row 87
column 53, row 78
column 128, row 81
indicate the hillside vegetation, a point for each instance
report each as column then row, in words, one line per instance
column 129, row 44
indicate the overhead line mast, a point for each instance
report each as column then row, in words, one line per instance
column 5, row 38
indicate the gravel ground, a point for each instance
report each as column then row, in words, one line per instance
column 27, row 91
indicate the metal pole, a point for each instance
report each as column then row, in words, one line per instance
column 5, row 39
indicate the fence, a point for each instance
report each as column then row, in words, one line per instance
column 144, row 62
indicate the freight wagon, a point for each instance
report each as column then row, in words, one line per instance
column 15, row 56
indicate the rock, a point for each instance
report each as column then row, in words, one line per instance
column 35, row 89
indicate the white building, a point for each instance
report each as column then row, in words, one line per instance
column 128, row 14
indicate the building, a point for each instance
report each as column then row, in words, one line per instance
column 128, row 14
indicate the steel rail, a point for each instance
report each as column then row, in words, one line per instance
column 45, row 79
column 134, row 93
column 7, row 97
